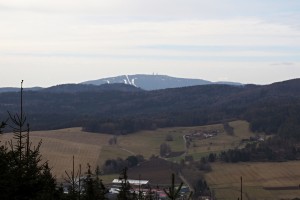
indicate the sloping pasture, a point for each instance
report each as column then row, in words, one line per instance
column 257, row 177
column 59, row 146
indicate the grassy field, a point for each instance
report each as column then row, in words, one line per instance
column 147, row 142
column 60, row 145
column 225, row 180
column 223, row 141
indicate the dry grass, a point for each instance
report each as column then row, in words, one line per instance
column 147, row 143
column 59, row 146
column 225, row 180
column 222, row 141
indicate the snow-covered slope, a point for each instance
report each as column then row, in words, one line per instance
column 153, row 82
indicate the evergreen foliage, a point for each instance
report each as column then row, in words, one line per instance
column 272, row 149
column 202, row 189
column 272, row 109
column 23, row 175
column 125, row 193
column 173, row 192
column 164, row 150
column 93, row 188
column 228, row 129
column 74, row 181
column 117, row 165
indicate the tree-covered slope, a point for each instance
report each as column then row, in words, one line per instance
column 122, row 109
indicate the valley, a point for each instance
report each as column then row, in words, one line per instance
column 58, row 147
column 150, row 100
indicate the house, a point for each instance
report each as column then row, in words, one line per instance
column 131, row 182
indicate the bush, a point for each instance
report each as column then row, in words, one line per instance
column 169, row 138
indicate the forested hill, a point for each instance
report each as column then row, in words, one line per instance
column 79, row 88
column 271, row 108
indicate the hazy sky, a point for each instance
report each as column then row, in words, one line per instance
column 49, row 42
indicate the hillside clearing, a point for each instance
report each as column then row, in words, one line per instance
column 59, row 146
column 224, row 179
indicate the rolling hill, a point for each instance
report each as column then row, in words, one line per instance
column 122, row 109
column 142, row 81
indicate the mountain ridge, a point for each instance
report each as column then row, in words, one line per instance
column 74, row 88
column 155, row 82
column 15, row 89
column 142, row 81
column 269, row 108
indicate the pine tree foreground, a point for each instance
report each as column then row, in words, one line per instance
column 23, row 175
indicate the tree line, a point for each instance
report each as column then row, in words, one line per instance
column 24, row 175
column 273, row 149
column 272, row 108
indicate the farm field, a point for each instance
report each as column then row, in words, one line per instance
column 222, row 141
column 59, row 146
column 261, row 180
column 147, row 142
column 270, row 181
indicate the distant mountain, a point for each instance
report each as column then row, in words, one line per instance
column 154, row 82
column 75, row 88
column 13, row 89
column 121, row 109
column 145, row 82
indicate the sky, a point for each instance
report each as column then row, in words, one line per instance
column 50, row 42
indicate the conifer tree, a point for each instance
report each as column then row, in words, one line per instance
column 125, row 193
column 93, row 188
column 74, row 181
column 23, row 175
column 172, row 192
